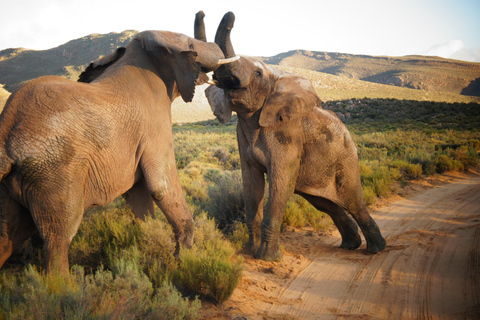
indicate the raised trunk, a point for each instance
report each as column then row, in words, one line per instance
column 199, row 27
column 222, row 37
column 226, row 75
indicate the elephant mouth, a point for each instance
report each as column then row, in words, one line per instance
column 236, row 96
column 225, row 81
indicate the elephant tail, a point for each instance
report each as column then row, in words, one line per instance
column 5, row 164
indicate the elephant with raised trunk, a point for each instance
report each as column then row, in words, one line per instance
column 66, row 146
column 283, row 132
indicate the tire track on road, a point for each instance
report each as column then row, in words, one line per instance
column 429, row 270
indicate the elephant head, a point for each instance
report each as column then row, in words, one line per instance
column 248, row 85
column 187, row 58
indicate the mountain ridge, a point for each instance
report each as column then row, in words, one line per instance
column 426, row 73
column 18, row 65
column 415, row 72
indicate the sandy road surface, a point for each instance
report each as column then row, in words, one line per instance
column 429, row 270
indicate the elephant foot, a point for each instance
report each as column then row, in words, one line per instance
column 375, row 245
column 269, row 251
column 252, row 246
column 351, row 242
column 184, row 238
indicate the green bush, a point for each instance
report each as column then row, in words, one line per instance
column 157, row 247
column 408, row 171
column 299, row 213
column 226, row 204
column 319, row 220
column 377, row 177
column 124, row 294
column 103, row 235
column 368, row 195
column 239, row 235
column 294, row 215
column 208, row 269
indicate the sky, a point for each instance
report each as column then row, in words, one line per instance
column 446, row 28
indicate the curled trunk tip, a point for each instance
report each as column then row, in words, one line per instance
column 222, row 37
column 199, row 27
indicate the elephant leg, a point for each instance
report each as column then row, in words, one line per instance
column 350, row 197
column 370, row 229
column 57, row 221
column 139, row 199
column 345, row 224
column 164, row 186
column 174, row 206
column 16, row 226
column 254, row 189
column 281, row 188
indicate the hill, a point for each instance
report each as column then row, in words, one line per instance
column 331, row 87
column 335, row 76
column 3, row 96
column 415, row 72
column 68, row 60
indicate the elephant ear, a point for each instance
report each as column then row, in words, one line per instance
column 218, row 103
column 97, row 67
column 292, row 97
column 168, row 46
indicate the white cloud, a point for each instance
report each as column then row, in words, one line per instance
column 446, row 50
column 466, row 54
column 455, row 49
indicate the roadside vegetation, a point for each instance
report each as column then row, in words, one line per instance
column 125, row 268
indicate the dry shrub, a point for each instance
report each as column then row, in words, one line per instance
column 226, row 204
column 299, row 213
column 124, row 294
column 209, row 268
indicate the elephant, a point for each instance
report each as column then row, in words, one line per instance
column 66, row 146
column 283, row 132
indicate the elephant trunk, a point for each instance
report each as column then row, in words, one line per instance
column 199, row 27
column 210, row 62
column 222, row 37
column 227, row 76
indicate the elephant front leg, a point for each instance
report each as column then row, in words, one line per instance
column 163, row 183
column 254, row 188
column 164, row 186
column 280, row 190
column 174, row 206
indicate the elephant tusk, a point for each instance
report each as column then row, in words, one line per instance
column 214, row 82
column 229, row 60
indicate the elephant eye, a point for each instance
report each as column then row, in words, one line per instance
column 191, row 47
column 258, row 73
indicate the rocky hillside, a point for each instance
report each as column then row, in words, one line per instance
column 415, row 72
column 335, row 76
column 68, row 60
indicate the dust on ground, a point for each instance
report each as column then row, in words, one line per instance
column 430, row 268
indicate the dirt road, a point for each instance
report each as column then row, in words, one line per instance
column 429, row 270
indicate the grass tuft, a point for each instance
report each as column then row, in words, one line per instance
column 209, row 268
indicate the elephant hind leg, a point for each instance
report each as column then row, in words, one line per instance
column 57, row 223
column 345, row 224
column 375, row 241
column 16, row 227
column 139, row 199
